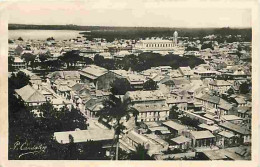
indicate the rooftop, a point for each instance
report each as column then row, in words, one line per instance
column 93, row 71
column 231, row 117
column 202, row 134
column 145, row 95
column 180, row 139
column 226, row 134
column 30, row 95
column 235, row 128
column 174, row 125
column 140, row 139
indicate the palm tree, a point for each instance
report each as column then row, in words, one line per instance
column 114, row 110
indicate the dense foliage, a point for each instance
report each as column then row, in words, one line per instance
column 31, row 133
column 147, row 60
column 120, row 86
column 150, row 85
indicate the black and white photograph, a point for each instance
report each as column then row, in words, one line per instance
column 121, row 80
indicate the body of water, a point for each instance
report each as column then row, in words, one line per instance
column 43, row 34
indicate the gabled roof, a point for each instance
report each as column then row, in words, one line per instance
column 206, row 97
column 93, row 71
column 175, row 73
column 202, row 134
column 240, row 100
column 225, row 106
column 174, row 125
column 18, row 60
column 168, row 82
column 235, row 128
column 243, row 109
column 180, row 81
column 30, row 95
column 185, row 70
column 64, row 75
column 138, row 138
column 226, row 134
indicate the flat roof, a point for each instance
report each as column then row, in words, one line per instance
column 231, row 117
column 84, row 135
column 180, row 139
column 202, row 134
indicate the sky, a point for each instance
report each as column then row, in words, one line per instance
column 144, row 13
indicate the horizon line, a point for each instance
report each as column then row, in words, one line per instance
column 231, row 27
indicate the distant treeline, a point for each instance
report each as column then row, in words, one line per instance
column 147, row 60
column 111, row 33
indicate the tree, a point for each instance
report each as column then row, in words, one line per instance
column 72, row 151
column 29, row 58
column 37, row 131
column 10, row 63
column 114, row 110
column 17, row 81
column 20, row 39
column 50, row 39
column 71, row 58
column 10, row 41
column 88, row 60
column 230, row 91
column 54, row 64
column 61, row 120
column 120, row 86
column 150, row 85
column 44, row 57
column 174, row 114
column 129, row 62
column 141, row 153
column 192, row 48
column 245, row 88
column 98, row 60
column 189, row 121
column 239, row 54
column 92, row 150
column 207, row 45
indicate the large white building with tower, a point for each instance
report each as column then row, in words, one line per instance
column 158, row 44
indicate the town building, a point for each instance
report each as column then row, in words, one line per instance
column 202, row 139
column 151, row 105
column 242, row 133
column 30, row 96
column 18, row 63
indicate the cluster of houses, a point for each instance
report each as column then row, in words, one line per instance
column 208, row 93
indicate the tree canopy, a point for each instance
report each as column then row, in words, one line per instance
column 10, row 63
column 150, row 85
column 174, row 114
column 120, row 86
column 29, row 59
column 35, row 130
